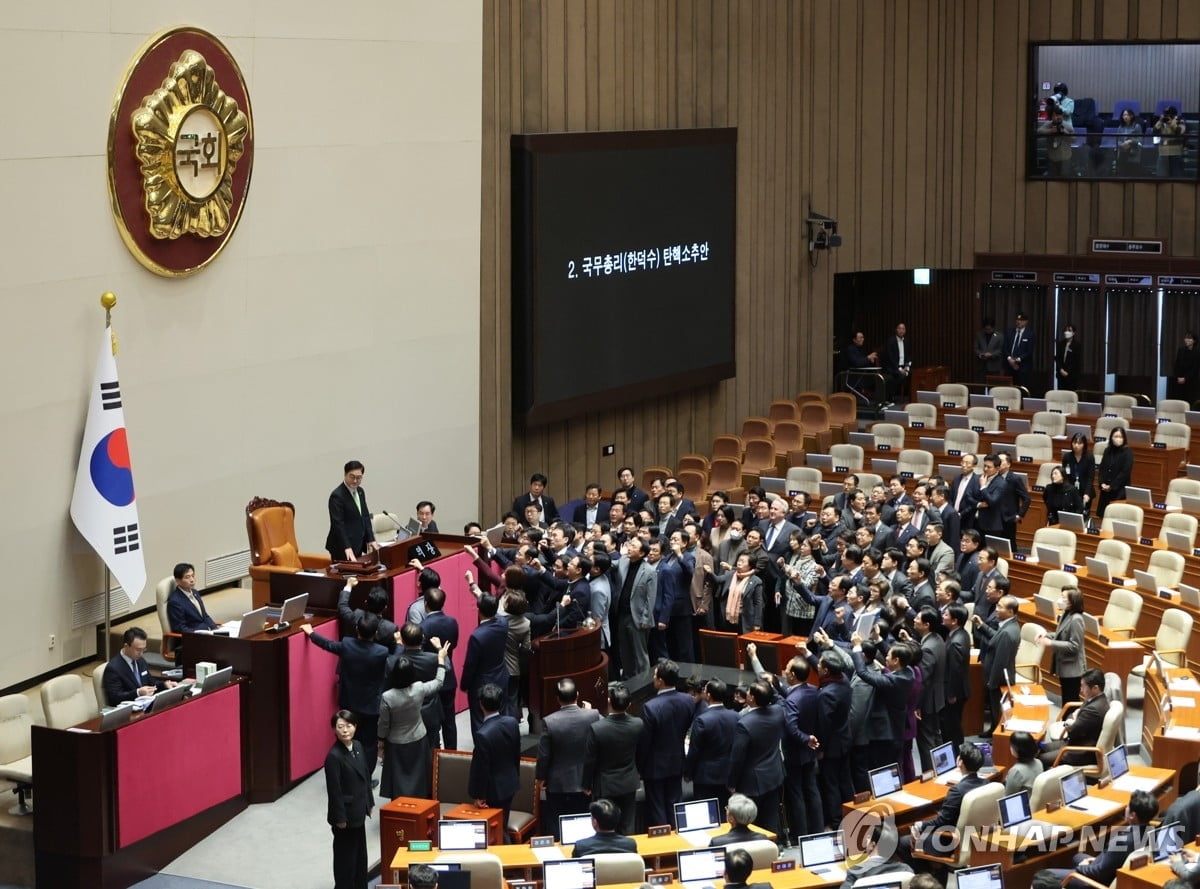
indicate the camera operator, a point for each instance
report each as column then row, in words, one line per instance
column 1170, row 150
column 1058, row 133
column 1064, row 102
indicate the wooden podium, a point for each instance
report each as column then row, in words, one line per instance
column 404, row 819
column 575, row 654
column 927, row 378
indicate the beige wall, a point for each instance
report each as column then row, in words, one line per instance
column 903, row 119
column 339, row 323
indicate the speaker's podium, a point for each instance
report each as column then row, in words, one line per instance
column 573, row 654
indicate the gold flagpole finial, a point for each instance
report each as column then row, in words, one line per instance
column 108, row 299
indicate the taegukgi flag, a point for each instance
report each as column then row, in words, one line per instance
column 103, row 506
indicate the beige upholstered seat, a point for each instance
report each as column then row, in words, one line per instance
column 619, row 867
column 980, row 807
column 804, row 478
column 1043, row 475
column 1121, row 405
column 1029, row 654
column 1174, row 435
column 1006, row 397
column 64, row 702
column 1059, row 538
column 762, row 851
column 868, row 480
column 1116, row 553
column 1181, row 523
column 916, row 461
column 170, row 639
column 1113, row 718
column 485, row 868
column 1125, row 512
column 16, row 752
column 1122, row 614
column 983, row 419
column 1046, row 787
column 1049, row 423
column 384, row 527
column 1037, row 447
column 1173, row 410
column 1054, row 581
column 953, row 394
column 98, row 685
column 965, row 441
column 1062, row 401
column 1105, row 425
column 922, row 413
column 890, row 434
column 1167, row 568
column 848, row 455
column 1171, row 640
column 1177, row 487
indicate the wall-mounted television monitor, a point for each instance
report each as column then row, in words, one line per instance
column 1113, row 111
column 623, row 267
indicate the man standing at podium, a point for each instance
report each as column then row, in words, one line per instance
column 350, row 531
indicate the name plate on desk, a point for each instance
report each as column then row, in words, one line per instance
column 1164, row 594
column 783, row 864
column 978, row 429
column 420, row 845
column 540, row 842
column 949, row 405
column 659, row 879
column 906, row 474
column 1020, row 557
column 658, row 830
column 1159, row 444
column 917, row 424
column 426, row 550
column 841, row 469
column 1025, row 459
column 953, row 452
column 883, row 447
column 1146, row 541
column 1069, row 568
column 1160, row 506
column 1038, row 488
column 1001, row 407
column 521, row 884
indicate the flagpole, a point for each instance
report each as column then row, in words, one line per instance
column 108, row 299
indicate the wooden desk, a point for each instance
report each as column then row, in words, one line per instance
column 1170, row 740
column 1149, row 876
column 520, row 862
column 292, row 693
column 791, row 879
column 1024, row 707
column 931, row 792
column 116, row 806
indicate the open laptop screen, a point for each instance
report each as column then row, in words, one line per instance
column 1014, row 809
column 293, row 609
column 697, row 814
column 885, row 780
column 570, row 873
column 1118, row 762
column 944, row 758
column 822, row 848
column 989, row 876
column 1166, row 840
column 1074, row 787
column 460, row 836
column 573, row 828
column 701, row 864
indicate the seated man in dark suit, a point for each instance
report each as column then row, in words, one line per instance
column 1101, row 868
column 740, row 811
column 935, row 835
column 185, row 611
column 1083, row 729
column 127, row 675
column 605, row 818
column 738, row 867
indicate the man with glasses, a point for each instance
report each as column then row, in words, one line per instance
column 350, row 531
column 127, row 675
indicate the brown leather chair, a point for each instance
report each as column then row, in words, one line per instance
column 727, row 446
column 271, row 527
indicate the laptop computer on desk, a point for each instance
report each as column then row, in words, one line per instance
column 1049, row 556
column 1098, row 569
column 1139, row 496
column 451, row 875
column 1126, row 531
column 569, row 873
column 1138, row 437
column 1165, row 840
column 1002, row 545
column 945, row 764
column 695, row 818
column 824, row 854
column 823, row 462
column 573, row 828
column 1072, row 521
column 1179, row 542
column 1146, row 582
column 700, row 867
column 462, row 836
column 1075, row 796
column 1118, row 770
column 989, row 876
column 886, row 783
column 1016, row 818
column 252, row 622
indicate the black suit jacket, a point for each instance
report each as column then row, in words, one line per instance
column 549, row 510
column 119, row 683
column 442, row 626
column 610, row 758
column 600, row 843
column 667, row 717
column 580, row 514
column 951, row 527
column 495, row 764
column 947, row 815
column 966, row 511
column 1001, row 652
column 485, row 661
column 348, row 619
column 989, row 519
column 892, row 362
column 755, row 763
column 1089, row 718
column 833, row 717
column 707, row 759
column 1016, row 497
column 184, row 617
column 348, row 784
column 361, row 668
column 347, row 526
column 801, row 710
column 958, row 658
column 735, row 835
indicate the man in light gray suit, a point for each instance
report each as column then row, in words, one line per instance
column 634, row 607
column 562, row 750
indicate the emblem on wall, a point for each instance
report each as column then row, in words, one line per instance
column 180, row 151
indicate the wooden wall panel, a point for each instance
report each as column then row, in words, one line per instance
column 903, row 119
